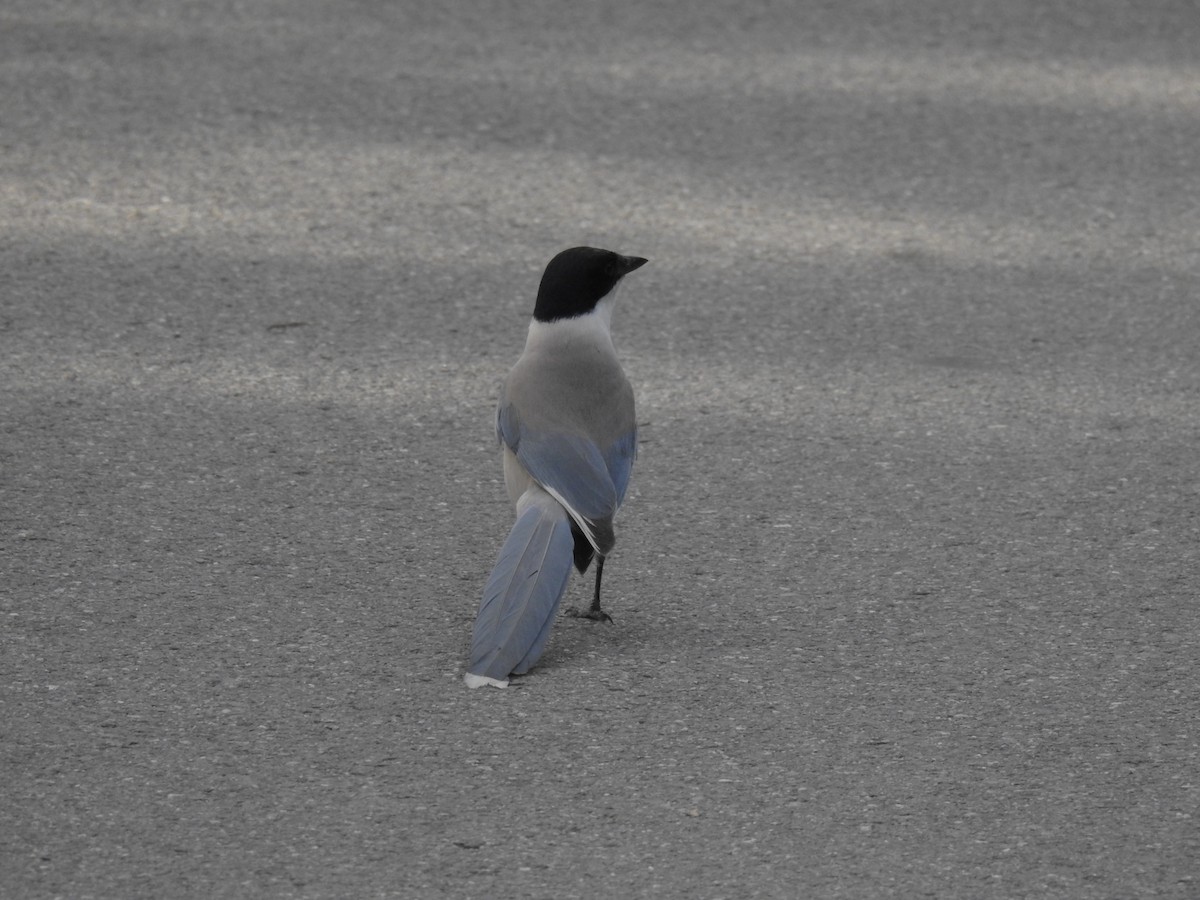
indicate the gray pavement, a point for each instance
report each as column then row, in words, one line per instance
column 905, row 588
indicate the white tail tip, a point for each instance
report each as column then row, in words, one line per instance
column 474, row 681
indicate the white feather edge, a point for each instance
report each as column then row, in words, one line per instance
column 584, row 525
column 477, row 681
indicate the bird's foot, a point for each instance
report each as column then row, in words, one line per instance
column 595, row 613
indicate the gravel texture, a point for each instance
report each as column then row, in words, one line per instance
column 905, row 587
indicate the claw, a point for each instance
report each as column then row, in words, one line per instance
column 596, row 615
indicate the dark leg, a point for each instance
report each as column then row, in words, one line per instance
column 594, row 611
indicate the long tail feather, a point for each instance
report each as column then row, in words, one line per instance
column 523, row 593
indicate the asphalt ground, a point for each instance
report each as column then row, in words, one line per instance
column 905, row 587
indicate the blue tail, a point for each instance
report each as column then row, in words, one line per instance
column 523, row 592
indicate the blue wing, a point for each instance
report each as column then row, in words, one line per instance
column 618, row 459
column 591, row 482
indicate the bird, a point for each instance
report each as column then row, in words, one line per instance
column 568, row 438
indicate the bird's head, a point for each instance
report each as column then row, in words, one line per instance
column 579, row 278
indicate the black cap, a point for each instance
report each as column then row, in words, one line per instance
column 579, row 278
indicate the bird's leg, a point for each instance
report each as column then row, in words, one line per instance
column 594, row 611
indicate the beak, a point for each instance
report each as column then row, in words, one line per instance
column 629, row 263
